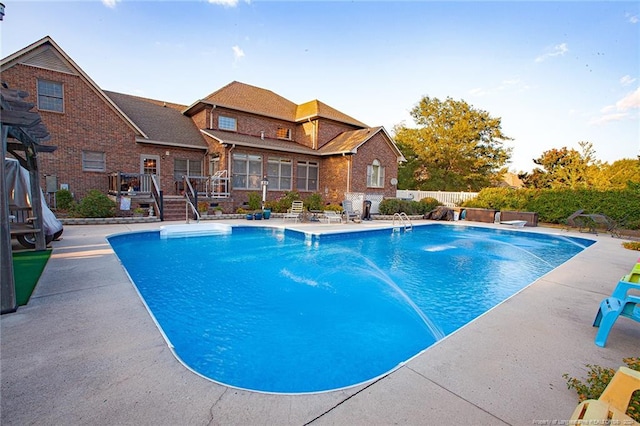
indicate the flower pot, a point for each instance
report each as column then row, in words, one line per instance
column 266, row 213
column 249, row 216
column 257, row 216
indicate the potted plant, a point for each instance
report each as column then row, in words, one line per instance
column 217, row 211
column 203, row 207
column 138, row 212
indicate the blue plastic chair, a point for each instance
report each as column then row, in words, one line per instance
column 621, row 303
column 610, row 310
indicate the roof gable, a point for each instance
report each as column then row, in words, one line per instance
column 316, row 109
column 253, row 99
column 349, row 142
column 46, row 54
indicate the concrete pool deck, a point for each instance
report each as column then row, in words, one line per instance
column 85, row 351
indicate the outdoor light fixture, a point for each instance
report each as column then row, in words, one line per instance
column 1, row 11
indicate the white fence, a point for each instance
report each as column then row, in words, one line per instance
column 449, row 199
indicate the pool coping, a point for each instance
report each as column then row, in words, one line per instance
column 85, row 350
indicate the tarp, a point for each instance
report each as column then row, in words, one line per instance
column 19, row 189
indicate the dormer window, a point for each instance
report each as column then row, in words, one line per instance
column 283, row 133
column 227, row 123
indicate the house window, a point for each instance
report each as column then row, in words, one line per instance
column 283, row 133
column 227, row 123
column 307, row 176
column 279, row 173
column 50, row 96
column 247, row 171
column 93, row 161
column 184, row 167
column 375, row 175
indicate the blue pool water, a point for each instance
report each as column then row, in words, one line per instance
column 280, row 311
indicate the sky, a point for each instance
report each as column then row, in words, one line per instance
column 555, row 73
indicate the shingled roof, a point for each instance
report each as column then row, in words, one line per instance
column 349, row 142
column 162, row 123
column 255, row 100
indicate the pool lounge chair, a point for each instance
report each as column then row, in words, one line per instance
column 612, row 405
column 349, row 213
column 295, row 212
column 331, row 216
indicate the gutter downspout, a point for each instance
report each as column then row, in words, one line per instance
column 348, row 172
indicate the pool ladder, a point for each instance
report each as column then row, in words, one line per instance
column 403, row 221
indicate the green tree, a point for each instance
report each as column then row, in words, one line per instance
column 455, row 147
column 572, row 169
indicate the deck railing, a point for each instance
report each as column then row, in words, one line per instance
column 121, row 183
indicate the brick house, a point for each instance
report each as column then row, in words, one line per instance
column 225, row 143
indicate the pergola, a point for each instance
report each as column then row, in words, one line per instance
column 22, row 136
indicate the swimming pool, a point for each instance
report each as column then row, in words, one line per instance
column 281, row 311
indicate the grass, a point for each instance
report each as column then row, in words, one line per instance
column 27, row 268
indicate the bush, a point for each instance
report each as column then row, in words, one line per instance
column 554, row 206
column 255, row 202
column 314, row 202
column 598, row 379
column 95, row 204
column 64, row 200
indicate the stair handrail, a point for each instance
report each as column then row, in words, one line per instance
column 404, row 221
column 191, row 197
column 157, row 196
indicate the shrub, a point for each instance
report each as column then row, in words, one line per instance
column 598, row 379
column 64, row 200
column 95, row 204
column 314, row 202
column 554, row 206
column 255, row 202
column 427, row 204
column 284, row 203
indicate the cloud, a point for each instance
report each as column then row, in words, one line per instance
column 110, row 3
column 557, row 50
column 632, row 18
column 627, row 80
column 511, row 86
column 630, row 101
column 238, row 53
column 620, row 111
column 226, row 3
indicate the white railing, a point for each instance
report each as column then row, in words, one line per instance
column 449, row 199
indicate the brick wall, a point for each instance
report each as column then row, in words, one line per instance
column 376, row 148
column 88, row 123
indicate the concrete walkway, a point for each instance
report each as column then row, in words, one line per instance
column 85, row 351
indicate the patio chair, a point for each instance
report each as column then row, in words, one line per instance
column 331, row 216
column 295, row 212
column 571, row 220
column 610, row 310
column 612, row 405
column 349, row 213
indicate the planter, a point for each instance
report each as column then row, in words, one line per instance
column 249, row 216
column 266, row 213
column 530, row 217
column 257, row 216
column 480, row 215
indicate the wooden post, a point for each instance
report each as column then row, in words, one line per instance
column 7, row 284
